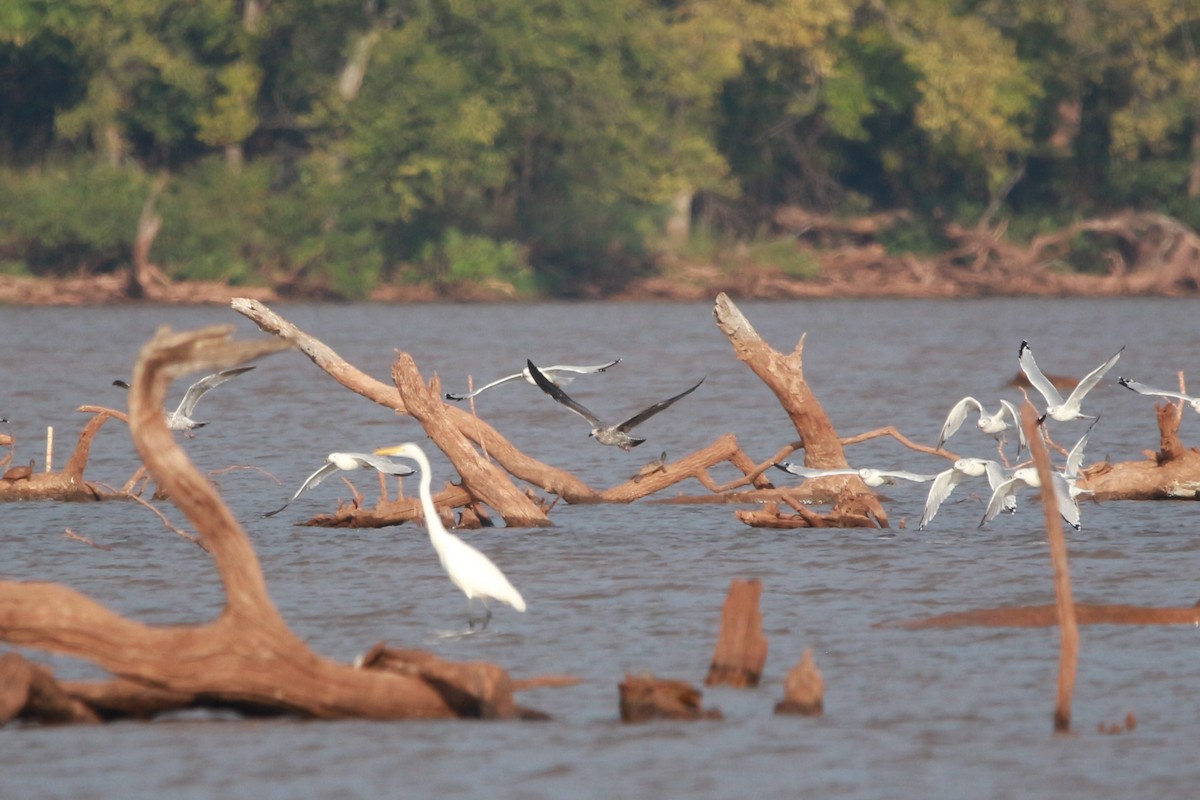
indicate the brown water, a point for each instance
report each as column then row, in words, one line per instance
column 952, row 713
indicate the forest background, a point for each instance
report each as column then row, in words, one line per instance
column 571, row 148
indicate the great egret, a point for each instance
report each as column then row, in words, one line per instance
column 995, row 424
column 1142, row 388
column 348, row 462
column 181, row 418
column 1057, row 408
column 469, row 570
column 871, row 477
column 962, row 469
column 559, row 374
column 618, row 434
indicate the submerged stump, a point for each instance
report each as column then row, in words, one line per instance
column 741, row 646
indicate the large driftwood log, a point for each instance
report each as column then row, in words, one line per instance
column 247, row 658
column 1171, row 473
column 784, row 375
column 481, row 478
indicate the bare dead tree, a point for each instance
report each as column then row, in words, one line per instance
column 247, row 658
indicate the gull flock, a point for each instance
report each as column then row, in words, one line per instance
column 1003, row 480
column 481, row 580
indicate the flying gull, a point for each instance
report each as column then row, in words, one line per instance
column 1067, row 506
column 181, row 418
column 1142, row 388
column 618, row 434
column 348, row 462
column 559, row 374
column 962, row 469
column 996, row 424
column 871, row 477
column 1065, row 490
column 1057, row 408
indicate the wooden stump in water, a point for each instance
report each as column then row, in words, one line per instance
column 741, row 646
column 647, row 698
column 804, row 691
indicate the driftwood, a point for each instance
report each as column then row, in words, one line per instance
column 643, row 698
column 1172, row 472
column 247, row 658
column 741, row 646
column 464, row 438
column 66, row 484
column 803, row 689
column 784, row 375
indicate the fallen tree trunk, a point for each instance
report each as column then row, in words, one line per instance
column 784, row 375
column 1171, row 473
column 247, row 658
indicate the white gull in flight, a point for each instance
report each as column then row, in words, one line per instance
column 1057, row 408
column 871, row 477
column 1142, row 388
column 559, row 375
column 962, row 469
column 181, row 418
column 995, row 424
column 348, row 462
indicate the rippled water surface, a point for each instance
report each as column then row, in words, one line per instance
column 616, row 590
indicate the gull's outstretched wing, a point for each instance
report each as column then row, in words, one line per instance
column 904, row 475
column 954, row 419
column 1015, row 416
column 1036, row 379
column 942, row 486
column 1142, row 388
column 647, row 413
column 547, row 386
column 999, row 500
column 321, row 474
column 466, row 395
column 1067, row 506
column 1092, row 378
column 551, row 372
column 809, row 472
column 1075, row 457
column 197, row 390
column 381, row 464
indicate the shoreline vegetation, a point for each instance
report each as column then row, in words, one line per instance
column 811, row 256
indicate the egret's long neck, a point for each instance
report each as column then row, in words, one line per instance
column 425, row 489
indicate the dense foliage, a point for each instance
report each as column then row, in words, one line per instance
column 544, row 144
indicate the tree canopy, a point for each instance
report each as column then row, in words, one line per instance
column 337, row 144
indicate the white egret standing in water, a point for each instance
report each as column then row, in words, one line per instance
column 469, row 570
